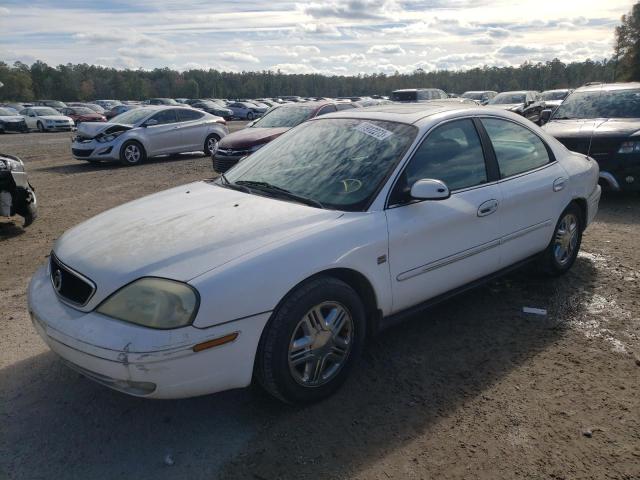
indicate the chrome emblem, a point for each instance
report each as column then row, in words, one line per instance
column 57, row 280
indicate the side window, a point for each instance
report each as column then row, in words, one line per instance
column 185, row 115
column 422, row 95
column 326, row 109
column 517, row 149
column 165, row 116
column 451, row 153
column 345, row 106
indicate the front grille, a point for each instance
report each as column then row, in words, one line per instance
column 231, row 152
column 222, row 164
column 70, row 285
column 79, row 152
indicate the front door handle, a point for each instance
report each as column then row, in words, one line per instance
column 559, row 184
column 488, row 207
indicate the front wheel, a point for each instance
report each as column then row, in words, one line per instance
column 132, row 153
column 40, row 127
column 563, row 249
column 311, row 342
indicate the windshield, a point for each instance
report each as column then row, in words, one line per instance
column 287, row 117
column 131, row 117
column 506, row 98
column 554, row 95
column 473, row 95
column 83, row 111
column 404, row 96
column 7, row 112
column 338, row 162
column 600, row 104
column 41, row 111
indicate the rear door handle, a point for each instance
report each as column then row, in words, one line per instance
column 559, row 184
column 488, row 207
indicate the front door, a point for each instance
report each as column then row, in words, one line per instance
column 435, row 246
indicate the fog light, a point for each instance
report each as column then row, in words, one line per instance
column 629, row 179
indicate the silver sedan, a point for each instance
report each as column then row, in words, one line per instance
column 133, row 136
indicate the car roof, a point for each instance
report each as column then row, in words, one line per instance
column 402, row 113
column 609, row 86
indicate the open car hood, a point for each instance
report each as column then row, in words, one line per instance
column 92, row 129
column 597, row 127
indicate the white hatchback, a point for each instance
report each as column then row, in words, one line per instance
column 280, row 270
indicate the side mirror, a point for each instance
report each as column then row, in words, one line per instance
column 429, row 189
column 545, row 115
column 151, row 122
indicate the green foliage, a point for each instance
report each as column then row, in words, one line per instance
column 627, row 46
column 86, row 82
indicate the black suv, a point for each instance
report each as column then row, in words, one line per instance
column 603, row 121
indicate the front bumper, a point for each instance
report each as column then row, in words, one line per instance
column 59, row 127
column 592, row 204
column 94, row 150
column 142, row 361
column 620, row 172
column 222, row 162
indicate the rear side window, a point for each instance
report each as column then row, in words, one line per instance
column 345, row 106
column 451, row 153
column 165, row 116
column 326, row 109
column 185, row 115
column 518, row 150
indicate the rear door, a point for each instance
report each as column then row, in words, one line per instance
column 193, row 131
column 532, row 185
column 436, row 246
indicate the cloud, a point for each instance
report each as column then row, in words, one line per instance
column 239, row 57
column 351, row 9
column 386, row 50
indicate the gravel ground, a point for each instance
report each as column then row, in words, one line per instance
column 471, row 389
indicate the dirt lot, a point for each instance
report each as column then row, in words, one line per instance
column 471, row 389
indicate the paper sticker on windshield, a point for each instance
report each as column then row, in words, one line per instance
column 374, row 131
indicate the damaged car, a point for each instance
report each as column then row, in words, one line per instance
column 17, row 195
column 526, row 103
column 145, row 132
column 281, row 269
column 11, row 121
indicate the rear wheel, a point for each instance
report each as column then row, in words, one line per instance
column 250, row 116
column 565, row 244
column 311, row 342
column 132, row 153
column 211, row 144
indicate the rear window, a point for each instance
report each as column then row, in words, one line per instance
column 411, row 96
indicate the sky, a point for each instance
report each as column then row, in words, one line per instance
column 334, row 37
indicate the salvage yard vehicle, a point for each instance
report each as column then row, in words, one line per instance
column 213, row 108
column 46, row 119
column 17, row 196
column 246, row 110
column 481, row 96
column 553, row 98
column 55, row 104
column 144, row 132
column 118, row 109
column 418, row 94
column 603, row 121
column 278, row 120
column 526, row 103
column 280, row 269
column 82, row 114
column 11, row 121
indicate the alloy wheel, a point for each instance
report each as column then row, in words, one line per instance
column 320, row 344
column 566, row 239
column 212, row 145
column 132, row 153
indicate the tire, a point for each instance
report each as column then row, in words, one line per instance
column 209, row 147
column 132, row 153
column 250, row 116
column 41, row 127
column 563, row 249
column 303, row 356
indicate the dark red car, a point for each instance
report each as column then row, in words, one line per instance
column 271, row 125
column 83, row 114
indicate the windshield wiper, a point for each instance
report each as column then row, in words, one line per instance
column 234, row 186
column 267, row 187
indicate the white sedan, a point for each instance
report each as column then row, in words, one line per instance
column 46, row 119
column 280, row 270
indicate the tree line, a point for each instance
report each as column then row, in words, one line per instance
column 86, row 82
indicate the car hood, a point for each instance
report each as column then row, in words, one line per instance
column 92, row 129
column 506, row 106
column 251, row 136
column 53, row 117
column 11, row 118
column 180, row 233
column 598, row 127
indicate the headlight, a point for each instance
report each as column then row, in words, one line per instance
column 630, row 147
column 108, row 138
column 153, row 302
column 10, row 164
column 48, row 122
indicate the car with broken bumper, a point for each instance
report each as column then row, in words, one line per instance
column 280, row 270
column 144, row 132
